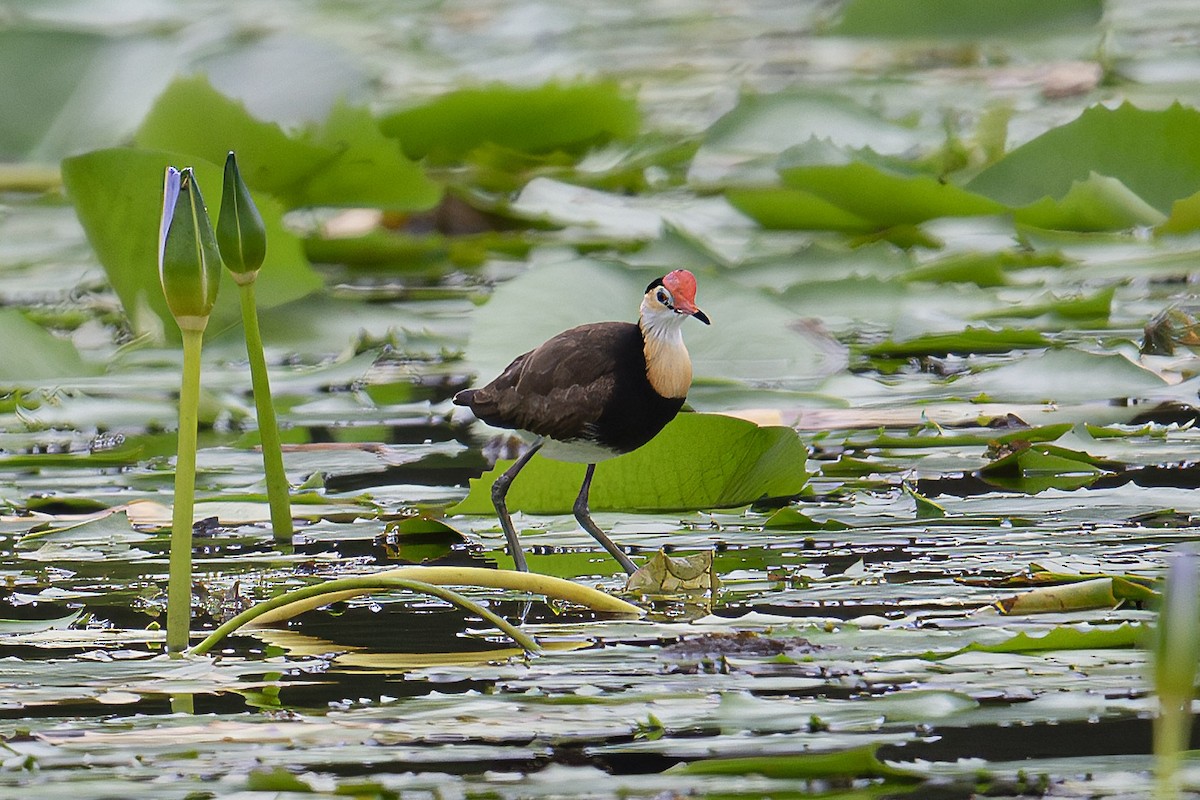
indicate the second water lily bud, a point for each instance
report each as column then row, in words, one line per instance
column 241, row 234
column 188, row 260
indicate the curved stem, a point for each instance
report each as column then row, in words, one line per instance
column 268, row 427
column 528, row 582
column 361, row 585
column 179, row 581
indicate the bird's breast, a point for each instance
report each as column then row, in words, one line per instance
column 668, row 366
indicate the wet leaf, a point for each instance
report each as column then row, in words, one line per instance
column 675, row 575
column 1062, row 637
column 15, row 626
column 698, row 461
column 790, row 518
column 860, row 762
column 926, row 508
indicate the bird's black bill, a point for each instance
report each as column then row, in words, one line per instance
column 700, row 315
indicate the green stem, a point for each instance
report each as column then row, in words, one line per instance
column 367, row 582
column 179, row 582
column 30, row 177
column 1172, row 729
column 268, row 429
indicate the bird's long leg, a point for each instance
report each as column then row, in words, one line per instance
column 499, row 491
column 585, row 519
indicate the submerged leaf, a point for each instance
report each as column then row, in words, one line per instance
column 698, row 461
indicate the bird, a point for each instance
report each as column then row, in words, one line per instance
column 592, row 393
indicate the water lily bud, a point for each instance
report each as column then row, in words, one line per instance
column 188, row 259
column 241, row 234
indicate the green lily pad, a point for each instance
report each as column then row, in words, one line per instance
column 569, row 117
column 859, row 762
column 1092, row 307
column 698, row 461
column 1150, row 152
column 1062, row 637
column 887, row 192
column 347, row 161
column 949, row 19
column 742, row 147
column 41, row 356
column 965, row 342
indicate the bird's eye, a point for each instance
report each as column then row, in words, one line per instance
column 663, row 297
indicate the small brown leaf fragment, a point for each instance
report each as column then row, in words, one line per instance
column 664, row 574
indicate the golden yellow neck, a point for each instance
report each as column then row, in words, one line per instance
column 668, row 366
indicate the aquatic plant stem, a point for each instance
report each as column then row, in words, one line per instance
column 362, row 585
column 528, row 582
column 179, row 581
column 1172, row 729
column 268, row 429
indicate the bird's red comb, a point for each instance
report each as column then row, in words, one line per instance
column 681, row 283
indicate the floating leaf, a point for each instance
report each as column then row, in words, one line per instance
column 552, row 117
column 17, row 626
column 346, row 162
column 1150, row 152
column 951, row 19
column 1095, row 307
column 1081, row 596
column 41, row 356
column 675, row 575
column 1060, row 638
column 1097, row 203
column 790, row 518
column 926, row 508
column 1063, row 376
column 698, row 461
column 880, row 191
column 860, row 762
column 966, row 342
column 743, row 146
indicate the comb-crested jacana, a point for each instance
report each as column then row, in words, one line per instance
column 592, row 393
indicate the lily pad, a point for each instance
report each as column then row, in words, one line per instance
column 1150, row 152
column 347, row 161
column 568, row 117
column 982, row 19
column 698, row 461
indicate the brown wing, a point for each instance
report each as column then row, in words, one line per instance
column 562, row 387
